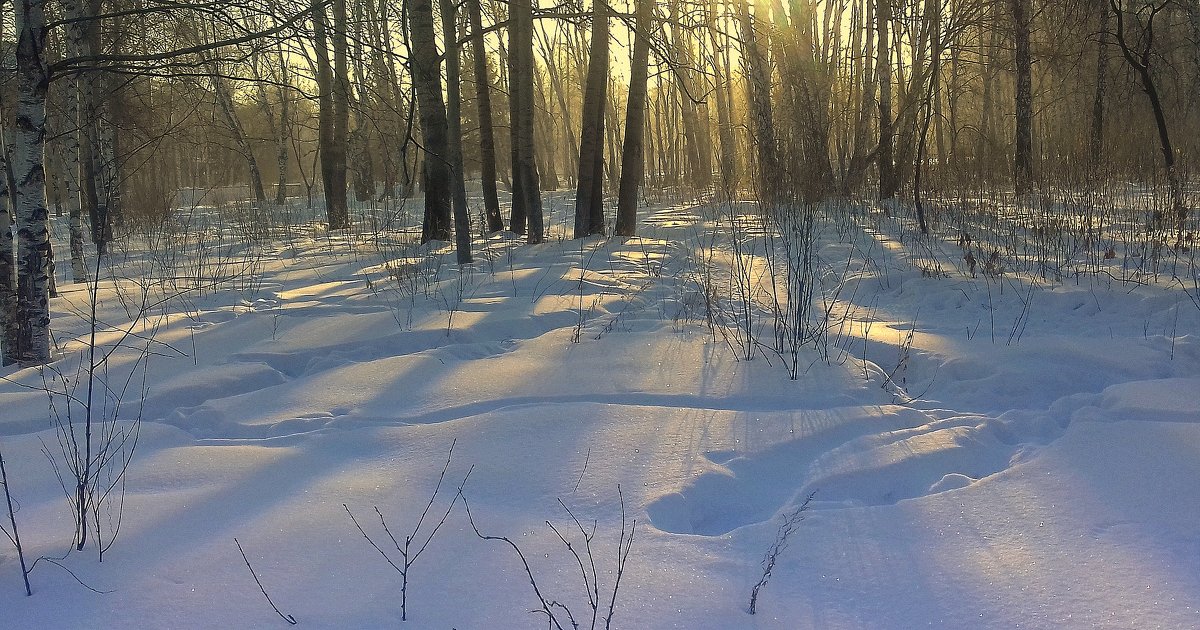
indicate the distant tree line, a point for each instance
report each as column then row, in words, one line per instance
column 110, row 107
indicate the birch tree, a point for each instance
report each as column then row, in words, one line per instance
column 29, row 192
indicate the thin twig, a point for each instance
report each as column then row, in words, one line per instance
column 15, row 537
column 586, row 459
column 288, row 618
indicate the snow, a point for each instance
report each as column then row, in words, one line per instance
column 991, row 451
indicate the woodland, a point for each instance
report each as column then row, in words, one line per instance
column 803, row 313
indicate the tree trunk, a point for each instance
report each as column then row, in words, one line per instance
column 589, row 196
column 560, row 92
column 341, row 118
column 612, row 161
column 527, row 198
column 483, row 100
column 632, row 152
column 458, row 190
column 332, row 148
column 888, row 182
column 427, row 82
column 359, row 140
column 859, row 160
column 518, row 218
column 225, row 103
column 698, row 163
column 933, row 14
column 333, row 111
column 29, row 194
column 1023, row 156
column 10, row 329
column 1140, row 62
column 546, row 147
column 1096, row 139
column 72, row 134
column 282, row 136
column 721, row 89
column 761, row 117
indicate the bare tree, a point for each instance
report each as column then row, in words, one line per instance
column 1139, row 55
column 333, row 115
column 483, row 101
column 633, row 146
column 454, row 148
column 889, row 183
column 761, row 114
column 1023, row 153
column 527, row 197
column 589, row 196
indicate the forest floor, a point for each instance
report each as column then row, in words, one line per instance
column 989, row 451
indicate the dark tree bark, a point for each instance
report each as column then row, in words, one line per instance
column 282, row 136
column 1096, row 139
column 234, row 124
column 889, row 182
column 517, row 219
column 527, row 197
column 341, row 115
column 427, row 82
column 1140, row 62
column 483, row 101
column 933, row 13
column 10, row 329
column 330, row 120
column 361, row 160
column 720, row 69
column 458, row 184
column 633, row 146
column 1023, row 156
column 589, row 195
column 761, row 116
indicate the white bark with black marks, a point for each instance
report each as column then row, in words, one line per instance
column 29, row 194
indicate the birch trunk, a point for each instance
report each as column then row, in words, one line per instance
column 29, row 193
column 71, row 134
column 10, row 330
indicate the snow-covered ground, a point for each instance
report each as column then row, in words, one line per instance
column 992, row 451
